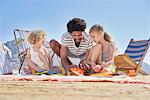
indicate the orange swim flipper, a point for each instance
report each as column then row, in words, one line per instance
column 77, row 71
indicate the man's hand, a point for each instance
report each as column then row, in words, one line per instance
column 84, row 65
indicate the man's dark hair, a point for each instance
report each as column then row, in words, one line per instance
column 76, row 24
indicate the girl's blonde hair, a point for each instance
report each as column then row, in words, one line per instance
column 98, row 28
column 36, row 36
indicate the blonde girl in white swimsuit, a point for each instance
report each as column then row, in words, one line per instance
column 37, row 55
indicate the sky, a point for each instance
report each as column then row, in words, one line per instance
column 123, row 19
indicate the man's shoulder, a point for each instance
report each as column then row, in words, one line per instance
column 66, row 39
column 66, row 35
column 86, row 36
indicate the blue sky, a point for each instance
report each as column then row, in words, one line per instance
column 123, row 19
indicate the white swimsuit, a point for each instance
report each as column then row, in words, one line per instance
column 35, row 57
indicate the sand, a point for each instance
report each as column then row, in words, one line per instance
column 44, row 90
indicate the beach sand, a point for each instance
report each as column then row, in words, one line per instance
column 45, row 90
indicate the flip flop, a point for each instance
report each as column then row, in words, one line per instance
column 50, row 72
column 41, row 72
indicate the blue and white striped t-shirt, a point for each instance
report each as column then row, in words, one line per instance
column 86, row 43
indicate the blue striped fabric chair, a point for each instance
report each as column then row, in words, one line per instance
column 133, row 57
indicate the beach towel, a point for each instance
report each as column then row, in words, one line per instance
column 59, row 78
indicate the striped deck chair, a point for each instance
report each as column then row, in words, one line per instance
column 133, row 57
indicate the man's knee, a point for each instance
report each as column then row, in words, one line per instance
column 52, row 43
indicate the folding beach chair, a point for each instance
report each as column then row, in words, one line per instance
column 21, row 44
column 133, row 57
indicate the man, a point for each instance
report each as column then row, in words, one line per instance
column 75, row 43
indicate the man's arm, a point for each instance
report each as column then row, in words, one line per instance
column 84, row 64
column 63, row 55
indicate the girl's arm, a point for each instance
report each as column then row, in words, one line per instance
column 49, row 58
column 111, row 56
column 30, row 63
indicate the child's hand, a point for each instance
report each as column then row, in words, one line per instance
column 97, row 68
column 87, row 66
column 92, row 63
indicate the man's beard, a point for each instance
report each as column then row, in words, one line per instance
column 77, row 43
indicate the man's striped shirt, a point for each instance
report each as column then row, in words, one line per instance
column 86, row 43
